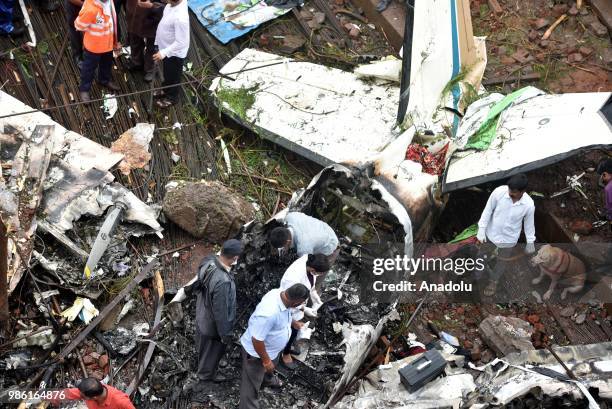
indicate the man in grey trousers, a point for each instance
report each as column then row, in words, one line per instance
column 215, row 310
column 267, row 334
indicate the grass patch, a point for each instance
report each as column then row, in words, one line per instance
column 179, row 172
column 169, row 136
column 240, row 100
column 259, row 172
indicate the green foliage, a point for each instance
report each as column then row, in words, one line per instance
column 239, row 100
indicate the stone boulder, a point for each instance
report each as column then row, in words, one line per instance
column 505, row 335
column 207, row 210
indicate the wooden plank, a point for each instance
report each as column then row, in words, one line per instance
column 534, row 76
column 495, row 7
column 63, row 239
column 603, row 8
column 588, row 332
column 109, row 307
column 159, row 286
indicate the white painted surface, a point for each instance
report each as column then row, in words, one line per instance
column 76, row 150
column 531, row 134
column 325, row 114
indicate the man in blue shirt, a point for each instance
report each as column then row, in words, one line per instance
column 267, row 334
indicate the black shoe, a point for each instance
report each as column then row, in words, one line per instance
column 111, row 86
column 292, row 366
column 220, row 379
column 200, row 386
column 17, row 32
column 133, row 67
column 149, row 76
column 272, row 381
column 48, row 6
column 295, row 350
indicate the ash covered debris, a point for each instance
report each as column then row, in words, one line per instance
column 56, row 189
column 346, row 325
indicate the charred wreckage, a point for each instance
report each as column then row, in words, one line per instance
column 87, row 301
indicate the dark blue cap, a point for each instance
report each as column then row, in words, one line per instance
column 232, row 248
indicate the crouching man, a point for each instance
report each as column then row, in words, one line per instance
column 266, row 336
column 304, row 270
column 96, row 395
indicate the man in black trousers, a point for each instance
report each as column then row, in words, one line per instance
column 215, row 310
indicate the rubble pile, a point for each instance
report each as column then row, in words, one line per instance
column 90, row 273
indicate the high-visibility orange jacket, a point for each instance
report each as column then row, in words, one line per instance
column 100, row 30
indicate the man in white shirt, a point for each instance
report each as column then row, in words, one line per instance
column 304, row 270
column 266, row 336
column 172, row 40
column 508, row 209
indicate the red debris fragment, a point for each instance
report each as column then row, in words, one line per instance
column 533, row 318
column 88, row 360
column 432, row 163
column 581, row 227
column 103, row 361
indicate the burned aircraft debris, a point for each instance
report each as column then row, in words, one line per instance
column 88, row 298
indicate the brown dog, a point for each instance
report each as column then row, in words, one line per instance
column 560, row 266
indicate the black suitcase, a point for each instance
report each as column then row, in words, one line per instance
column 427, row 367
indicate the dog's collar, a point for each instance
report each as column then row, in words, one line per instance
column 557, row 270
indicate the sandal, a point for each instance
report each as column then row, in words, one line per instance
column 164, row 103
column 490, row 289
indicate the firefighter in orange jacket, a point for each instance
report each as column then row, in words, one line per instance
column 98, row 20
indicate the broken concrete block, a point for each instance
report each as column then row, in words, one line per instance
column 560, row 9
column 599, row 29
column 573, row 11
column 541, row 23
column 292, row 43
column 521, row 55
column 568, row 311
column 319, row 17
column 505, row 335
column 207, row 210
column 582, row 227
column 575, row 57
column 313, row 25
